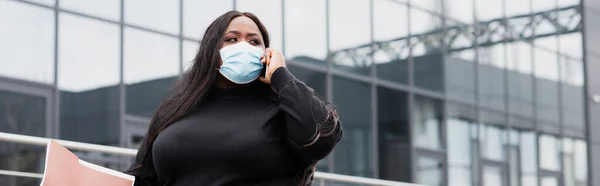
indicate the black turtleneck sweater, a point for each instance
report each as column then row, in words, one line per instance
column 245, row 136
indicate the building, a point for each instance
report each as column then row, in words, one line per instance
column 438, row 92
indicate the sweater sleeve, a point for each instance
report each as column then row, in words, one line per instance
column 313, row 128
column 145, row 175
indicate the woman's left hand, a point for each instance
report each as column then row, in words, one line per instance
column 273, row 60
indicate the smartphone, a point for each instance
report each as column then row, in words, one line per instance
column 263, row 71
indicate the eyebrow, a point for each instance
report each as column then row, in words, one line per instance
column 249, row 34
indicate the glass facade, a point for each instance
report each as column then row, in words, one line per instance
column 438, row 92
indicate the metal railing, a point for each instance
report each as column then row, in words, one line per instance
column 321, row 177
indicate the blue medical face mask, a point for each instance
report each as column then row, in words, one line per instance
column 241, row 62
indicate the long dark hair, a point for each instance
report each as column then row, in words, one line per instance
column 194, row 84
column 193, row 87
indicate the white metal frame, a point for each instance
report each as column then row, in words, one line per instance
column 39, row 141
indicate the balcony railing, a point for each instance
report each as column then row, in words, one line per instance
column 322, row 178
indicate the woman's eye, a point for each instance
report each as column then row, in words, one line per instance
column 231, row 40
column 255, row 42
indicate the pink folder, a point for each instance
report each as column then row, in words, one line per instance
column 63, row 168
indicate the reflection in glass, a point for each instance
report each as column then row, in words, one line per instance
column 427, row 120
column 541, row 5
column 520, row 83
column 391, row 57
column 198, row 14
column 429, row 171
column 528, row 157
column 489, row 10
column 426, row 51
column 549, row 147
column 549, row 181
column 46, row 2
column 349, row 28
column 459, row 148
column 22, row 114
column 568, row 175
column 492, row 176
column 269, row 13
column 26, row 42
column 566, row 3
column 353, row 152
column 149, row 71
column 513, row 166
column 305, row 33
column 572, row 80
column 491, row 76
column 516, row 7
column 14, row 180
column 315, row 80
column 547, row 75
column 190, row 49
column 460, row 76
column 493, row 142
column 429, row 5
column 580, row 163
column 394, row 140
column 88, row 80
column 460, row 11
column 109, row 9
column 154, row 14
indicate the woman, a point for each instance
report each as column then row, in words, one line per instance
column 237, row 117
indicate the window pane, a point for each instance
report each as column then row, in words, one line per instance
column 305, row 27
column 429, row 171
column 493, row 142
column 26, row 42
column 394, row 142
column 460, row 11
column 514, row 167
column 549, row 147
column 426, row 51
column 460, row 75
column 14, row 180
column 149, row 71
column 353, row 152
column 315, row 80
column 46, row 2
column 429, row 5
column 580, row 161
column 190, row 49
column 22, row 114
column 350, row 28
column 390, row 22
column 269, row 13
column 491, row 76
column 88, row 80
column 528, row 158
column 516, row 7
column 492, row 176
column 520, row 83
column 547, row 75
column 542, row 5
column 198, row 14
column 489, row 10
column 549, row 181
column 566, row 3
column 572, row 80
column 568, row 174
column 459, row 144
column 154, row 14
column 109, row 9
column 427, row 120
